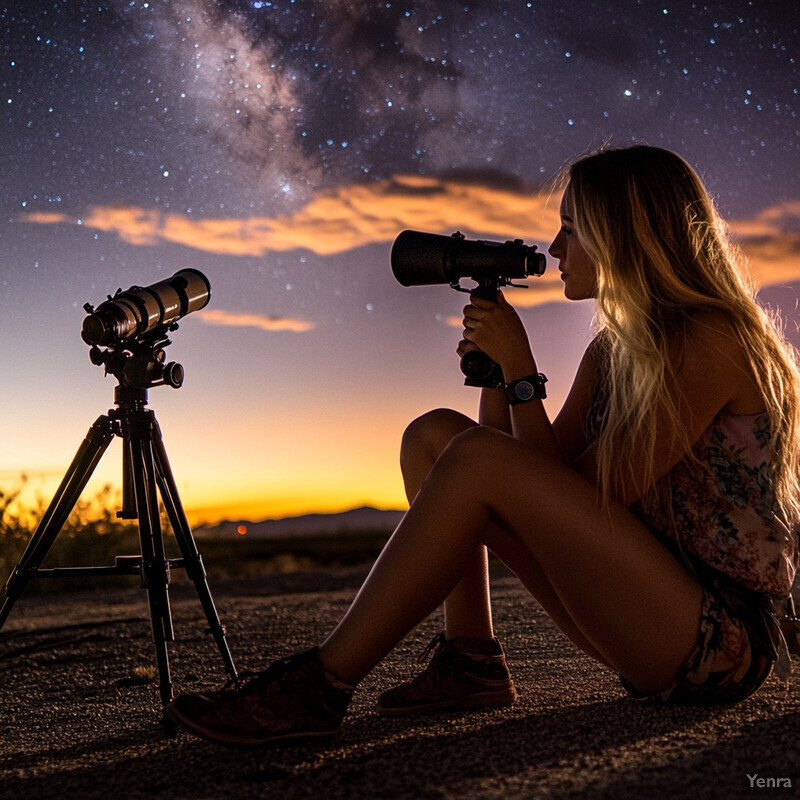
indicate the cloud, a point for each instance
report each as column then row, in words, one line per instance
column 265, row 323
column 339, row 220
column 357, row 215
column 771, row 242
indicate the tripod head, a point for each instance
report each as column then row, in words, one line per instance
column 140, row 363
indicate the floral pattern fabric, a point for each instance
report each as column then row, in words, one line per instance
column 723, row 507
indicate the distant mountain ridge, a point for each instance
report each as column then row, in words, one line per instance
column 355, row 520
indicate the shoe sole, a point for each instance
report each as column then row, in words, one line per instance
column 474, row 702
column 239, row 741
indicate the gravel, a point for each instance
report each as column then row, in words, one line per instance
column 80, row 715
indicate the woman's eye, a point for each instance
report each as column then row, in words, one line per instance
column 565, row 230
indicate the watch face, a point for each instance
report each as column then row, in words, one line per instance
column 524, row 390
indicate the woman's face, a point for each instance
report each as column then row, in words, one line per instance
column 578, row 271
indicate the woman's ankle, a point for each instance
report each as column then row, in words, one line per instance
column 478, row 645
column 480, row 633
column 339, row 676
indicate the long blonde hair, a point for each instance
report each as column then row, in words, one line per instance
column 662, row 254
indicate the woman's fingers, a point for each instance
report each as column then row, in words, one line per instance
column 465, row 346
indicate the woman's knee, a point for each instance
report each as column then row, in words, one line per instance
column 480, row 443
column 428, row 435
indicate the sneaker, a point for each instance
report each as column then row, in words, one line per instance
column 294, row 698
column 462, row 674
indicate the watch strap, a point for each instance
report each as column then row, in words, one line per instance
column 531, row 387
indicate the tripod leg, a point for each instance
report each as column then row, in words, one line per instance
column 77, row 476
column 193, row 561
column 155, row 574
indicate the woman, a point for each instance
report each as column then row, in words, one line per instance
column 653, row 520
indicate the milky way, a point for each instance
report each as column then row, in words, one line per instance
column 266, row 102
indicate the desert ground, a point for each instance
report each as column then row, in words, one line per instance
column 80, row 715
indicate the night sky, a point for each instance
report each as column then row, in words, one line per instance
column 280, row 147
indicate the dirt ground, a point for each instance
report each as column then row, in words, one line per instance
column 80, row 714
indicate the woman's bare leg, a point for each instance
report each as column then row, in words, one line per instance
column 467, row 608
column 626, row 594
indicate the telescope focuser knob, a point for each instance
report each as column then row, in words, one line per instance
column 173, row 374
column 96, row 356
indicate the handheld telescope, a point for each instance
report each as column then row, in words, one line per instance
column 420, row 259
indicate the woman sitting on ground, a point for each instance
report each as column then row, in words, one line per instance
column 654, row 520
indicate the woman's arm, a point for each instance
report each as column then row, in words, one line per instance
column 498, row 331
column 494, row 411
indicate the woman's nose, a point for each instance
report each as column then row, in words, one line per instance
column 555, row 249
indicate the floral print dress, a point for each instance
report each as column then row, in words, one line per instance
column 723, row 507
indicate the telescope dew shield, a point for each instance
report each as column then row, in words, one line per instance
column 421, row 259
column 141, row 309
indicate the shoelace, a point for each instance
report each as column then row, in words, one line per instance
column 432, row 647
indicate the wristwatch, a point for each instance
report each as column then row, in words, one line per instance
column 528, row 388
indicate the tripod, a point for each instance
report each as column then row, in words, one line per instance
column 145, row 468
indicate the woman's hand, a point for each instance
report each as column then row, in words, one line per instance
column 496, row 329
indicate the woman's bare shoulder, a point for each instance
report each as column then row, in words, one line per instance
column 714, row 352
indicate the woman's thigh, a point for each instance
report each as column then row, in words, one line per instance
column 521, row 561
column 624, row 591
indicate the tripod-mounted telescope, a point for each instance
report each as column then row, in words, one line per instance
column 133, row 326
column 429, row 258
column 128, row 335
